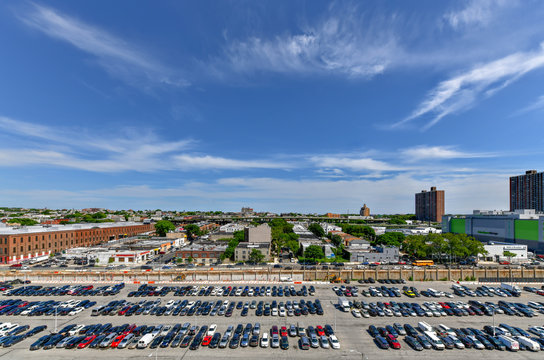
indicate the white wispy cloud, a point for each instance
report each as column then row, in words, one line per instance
column 535, row 106
column 346, row 43
column 476, row 13
column 214, row 162
column 353, row 163
column 119, row 58
column 140, row 151
column 439, row 153
column 463, row 91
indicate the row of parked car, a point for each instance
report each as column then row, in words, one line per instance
column 106, row 336
column 449, row 308
column 11, row 334
column 195, row 290
column 485, row 291
column 48, row 307
column 73, row 290
column 440, row 337
column 211, row 308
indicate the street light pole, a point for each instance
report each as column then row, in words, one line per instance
column 493, row 322
column 56, row 307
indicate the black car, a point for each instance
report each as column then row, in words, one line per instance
column 373, row 331
column 195, row 344
column 413, row 342
column 40, row 342
column 186, row 341
column 381, row 342
column 284, row 343
column 215, row 340
column 156, row 342
column 235, row 341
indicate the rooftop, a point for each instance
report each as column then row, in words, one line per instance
column 71, row 227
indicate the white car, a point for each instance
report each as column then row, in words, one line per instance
column 211, row 329
column 282, row 312
column 76, row 311
column 356, row 313
column 264, row 340
column 334, row 342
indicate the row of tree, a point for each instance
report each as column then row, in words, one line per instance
column 442, row 247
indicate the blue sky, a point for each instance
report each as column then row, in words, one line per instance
column 279, row 105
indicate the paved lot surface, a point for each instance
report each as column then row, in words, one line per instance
column 355, row 342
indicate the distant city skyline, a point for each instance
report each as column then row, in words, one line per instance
column 302, row 106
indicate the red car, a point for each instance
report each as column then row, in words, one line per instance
column 86, row 342
column 207, row 340
column 444, row 305
column 283, row 331
column 320, row 331
column 117, row 340
column 393, row 342
column 274, row 330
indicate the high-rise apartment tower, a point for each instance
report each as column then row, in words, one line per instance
column 527, row 191
column 430, row 205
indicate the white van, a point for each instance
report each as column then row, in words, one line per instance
column 145, row 341
column 434, row 340
column 529, row 343
column 423, row 326
column 510, row 343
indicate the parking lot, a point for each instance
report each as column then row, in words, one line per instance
column 355, row 342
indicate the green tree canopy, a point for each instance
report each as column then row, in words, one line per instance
column 255, row 256
column 390, row 238
column 438, row 246
column 164, row 226
column 336, row 239
column 192, row 231
column 317, row 230
column 314, row 252
column 509, row 254
column 362, row 231
column 23, row 221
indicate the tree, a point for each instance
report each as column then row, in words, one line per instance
column 509, row 255
column 255, row 256
column 293, row 245
column 317, row 230
column 239, row 235
column 229, row 251
column 390, row 238
column 190, row 259
column 23, row 221
column 192, row 231
column 314, row 252
column 362, row 231
column 335, row 239
column 164, row 226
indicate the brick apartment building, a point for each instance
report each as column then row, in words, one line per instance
column 202, row 253
column 430, row 205
column 29, row 242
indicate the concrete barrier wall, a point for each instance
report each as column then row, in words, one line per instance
column 269, row 275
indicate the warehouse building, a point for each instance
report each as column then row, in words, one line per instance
column 25, row 243
column 520, row 227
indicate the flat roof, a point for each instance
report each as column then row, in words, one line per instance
column 71, row 227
